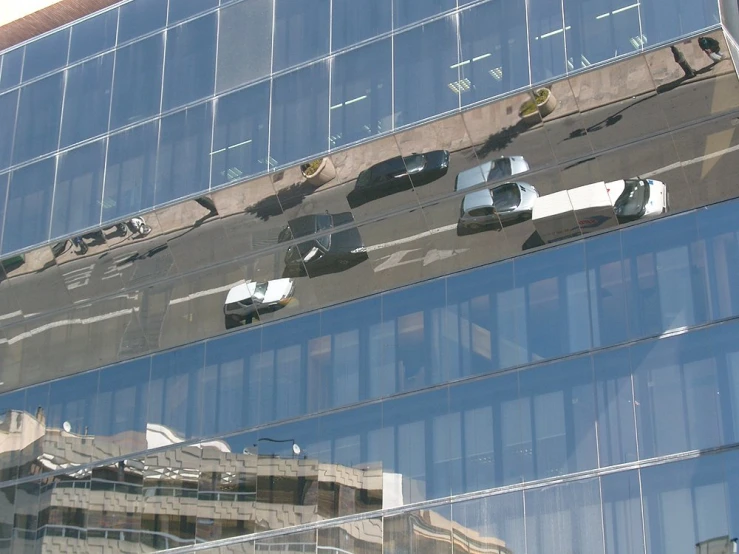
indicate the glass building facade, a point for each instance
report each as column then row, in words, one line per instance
column 277, row 275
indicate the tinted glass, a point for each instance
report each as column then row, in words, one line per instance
column 622, row 515
column 140, row 18
column 8, row 107
column 183, row 164
column 39, row 115
column 93, row 35
column 10, row 71
column 87, row 100
column 241, row 134
column 494, row 57
column 299, row 114
column 426, row 71
column 138, row 81
column 492, row 520
column 409, row 11
column 244, row 43
column 546, row 39
column 361, row 93
column 129, row 178
column 79, row 189
column 46, row 54
column 181, row 9
column 358, row 20
column 29, row 205
column 608, row 287
column 189, row 69
column 662, row 22
column 302, row 31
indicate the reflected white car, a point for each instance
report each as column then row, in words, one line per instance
column 246, row 301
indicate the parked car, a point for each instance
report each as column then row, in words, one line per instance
column 398, row 174
column 638, row 198
column 329, row 253
column 246, row 301
column 501, row 205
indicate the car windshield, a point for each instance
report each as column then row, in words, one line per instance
column 500, row 170
column 415, row 163
column 633, row 200
column 260, row 292
column 506, row 197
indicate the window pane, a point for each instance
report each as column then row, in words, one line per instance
column 182, row 9
column 241, row 134
column 8, row 106
column 79, row 188
column 426, row 71
column 87, row 100
column 607, row 288
column 495, row 520
column 10, row 72
column 361, row 93
column 29, row 206
column 93, row 35
column 426, row 531
column 301, row 31
column 129, row 179
column 358, row 20
column 409, row 11
column 597, row 30
column 622, row 518
column 46, row 54
column 244, row 43
column 546, row 39
column 39, row 115
column 140, row 18
column 494, row 57
column 138, row 81
column 72, row 400
column 189, row 69
column 299, row 114
column 184, row 147
column 663, row 21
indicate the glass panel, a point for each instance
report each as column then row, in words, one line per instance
column 29, row 205
column 292, row 543
column 564, row 518
column 79, row 189
column 189, row 67
column 244, row 43
column 426, row 71
column 299, row 114
column 616, row 426
column 607, row 289
column 140, row 18
column 241, row 134
column 138, row 81
column 361, row 537
column 11, row 422
column 494, row 524
column 173, row 400
column 302, row 32
column 662, row 22
column 87, row 100
column 358, row 20
column 546, row 39
column 677, row 394
column 182, row 9
column 622, row 515
column 409, row 11
column 46, row 54
column 12, row 64
column 8, row 108
column 93, row 35
column 114, row 512
column 34, row 425
column 120, row 412
column 130, row 172
column 428, row 531
column 558, row 415
column 183, row 163
column 685, row 504
column 39, row 115
column 494, row 57
column 26, row 517
column 361, row 93
column 7, row 517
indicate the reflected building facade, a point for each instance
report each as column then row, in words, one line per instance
column 371, row 277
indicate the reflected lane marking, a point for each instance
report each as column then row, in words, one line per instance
column 405, row 240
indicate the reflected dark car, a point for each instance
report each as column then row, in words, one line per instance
column 398, row 174
column 330, row 253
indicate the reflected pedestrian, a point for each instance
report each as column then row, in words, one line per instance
column 712, row 48
column 682, row 62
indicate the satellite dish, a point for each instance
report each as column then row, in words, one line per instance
column 296, row 450
column 67, row 426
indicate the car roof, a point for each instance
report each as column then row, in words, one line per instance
column 473, row 176
column 478, row 199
